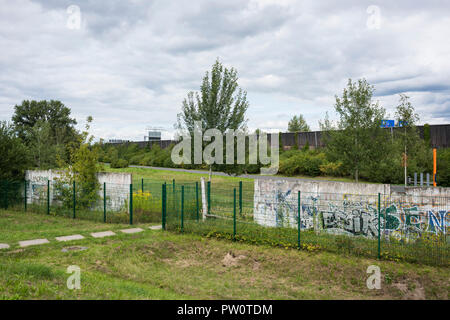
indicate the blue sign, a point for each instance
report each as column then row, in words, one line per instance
column 402, row 123
column 387, row 123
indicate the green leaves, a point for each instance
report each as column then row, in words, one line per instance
column 221, row 104
column 14, row 156
column 358, row 140
column 298, row 124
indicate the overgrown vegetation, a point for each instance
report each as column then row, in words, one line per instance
column 81, row 168
column 166, row 265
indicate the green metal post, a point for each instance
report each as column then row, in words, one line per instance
column 299, row 221
column 182, row 208
column 196, row 197
column 173, row 196
column 48, row 196
column 379, row 226
column 163, row 207
column 142, row 185
column 209, row 197
column 131, row 203
column 25, row 195
column 104, row 202
column 74, row 199
column 240, row 197
column 234, row 214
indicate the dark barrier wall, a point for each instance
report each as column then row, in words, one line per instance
column 439, row 138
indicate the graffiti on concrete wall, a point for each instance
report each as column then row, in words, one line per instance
column 349, row 215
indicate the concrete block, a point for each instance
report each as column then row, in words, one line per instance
column 103, row 234
column 134, row 230
column 70, row 238
column 34, row 242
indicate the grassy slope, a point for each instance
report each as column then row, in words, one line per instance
column 165, row 265
column 166, row 175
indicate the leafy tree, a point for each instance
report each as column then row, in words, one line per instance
column 419, row 154
column 298, row 124
column 443, row 167
column 82, row 168
column 221, row 105
column 357, row 138
column 14, row 157
column 427, row 134
column 40, row 146
column 54, row 112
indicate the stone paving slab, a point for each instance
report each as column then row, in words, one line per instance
column 32, row 242
column 133, row 230
column 155, row 227
column 75, row 248
column 103, row 234
column 4, row 246
column 70, row 238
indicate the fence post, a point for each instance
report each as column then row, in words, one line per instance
column 240, row 197
column 379, row 226
column 163, row 207
column 48, row 196
column 196, row 197
column 182, row 208
column 209, row 197
column 173, row 185
column 74, row 199
column 25, row 195
column 142, row 185
column 131, row 203
column 299, row 221
column 234, row 214
column 104, row 202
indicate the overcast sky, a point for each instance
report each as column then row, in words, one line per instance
column 129, row 64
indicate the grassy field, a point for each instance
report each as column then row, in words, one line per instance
column 164, row 265
column 167, row 175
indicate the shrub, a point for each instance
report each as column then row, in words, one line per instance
column 332, row 169
column 306, row 162
column 119, row 163
column 443, row 167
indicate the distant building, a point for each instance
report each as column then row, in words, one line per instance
column 154, row 134
column 118, row 141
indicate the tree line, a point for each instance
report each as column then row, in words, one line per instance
column 42, row 134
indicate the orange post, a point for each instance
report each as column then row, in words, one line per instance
column 434, row 167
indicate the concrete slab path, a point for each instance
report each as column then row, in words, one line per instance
column 34, row 242
column 70, row 238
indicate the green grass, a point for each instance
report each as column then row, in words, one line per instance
column 165, row 265
column 15, row 226
column 167, row 175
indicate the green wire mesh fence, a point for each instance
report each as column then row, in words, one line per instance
column 408, row 228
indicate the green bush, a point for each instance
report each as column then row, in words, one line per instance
column 119, row 163
column 332, row 169
column 304, row 162
column 443, row 167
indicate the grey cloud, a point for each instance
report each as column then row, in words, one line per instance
column 133, row 62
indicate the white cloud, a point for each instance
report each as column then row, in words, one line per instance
column 132, row 63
